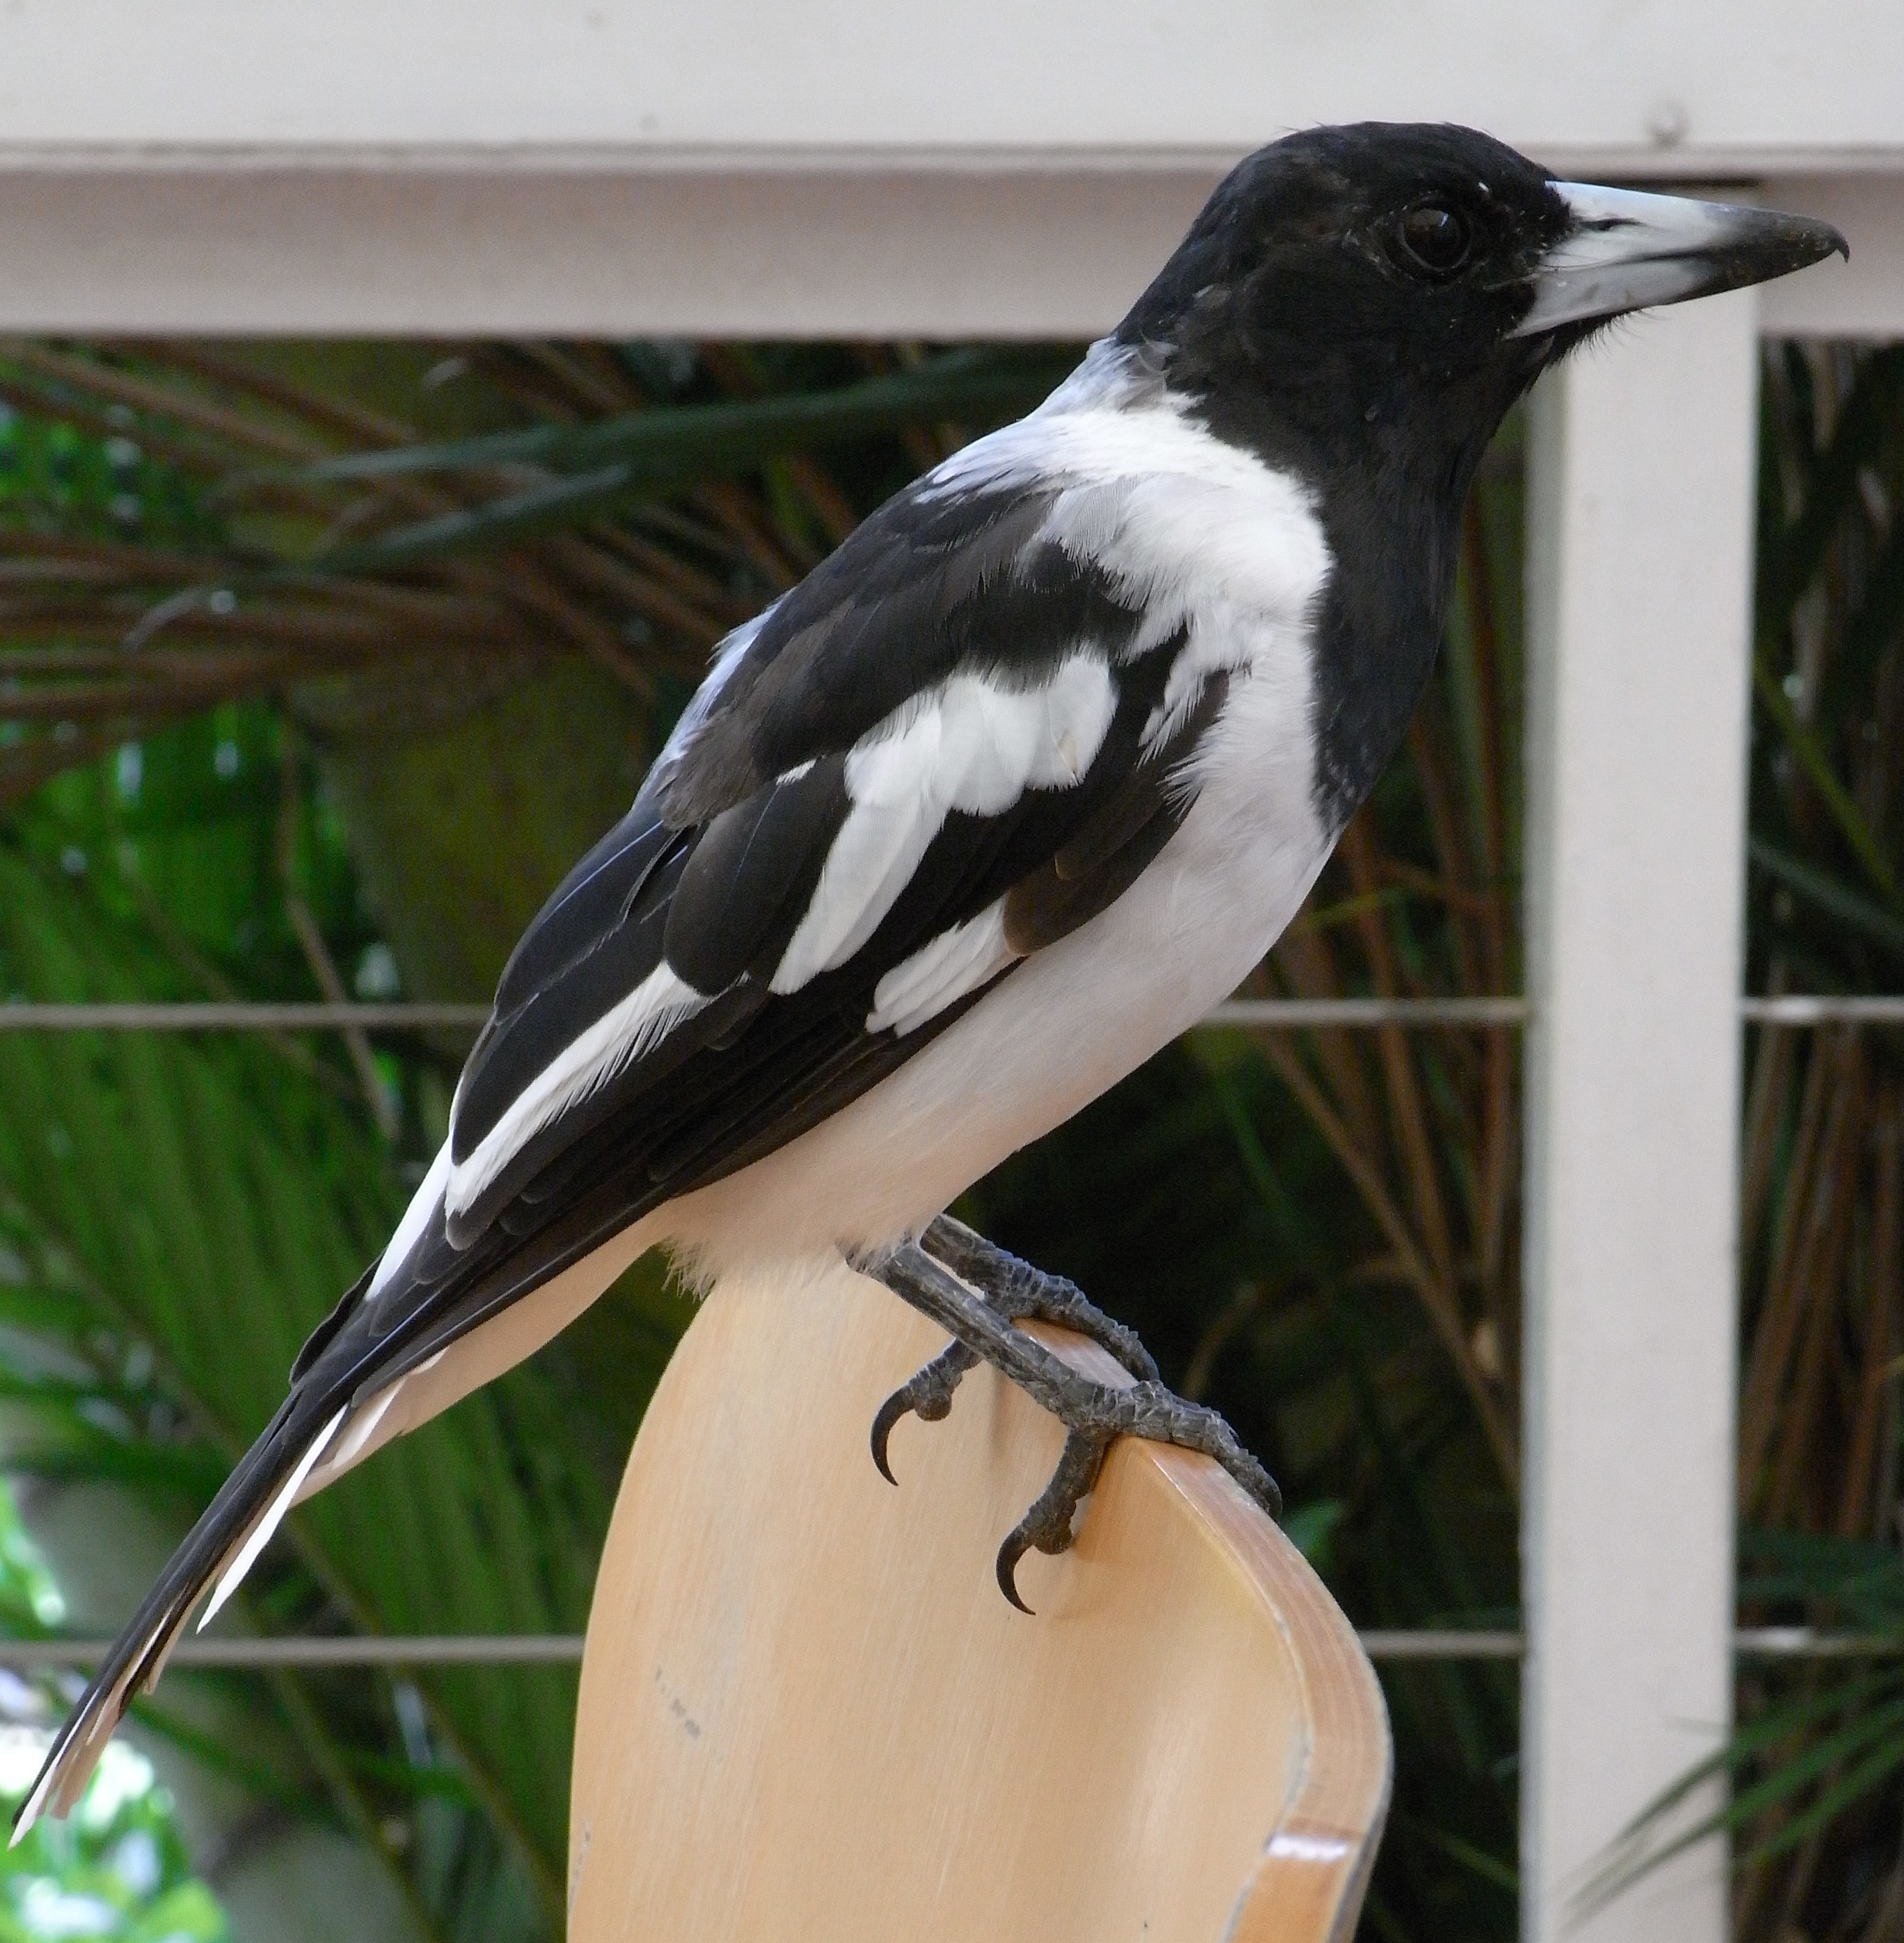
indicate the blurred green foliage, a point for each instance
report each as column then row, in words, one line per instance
column 117, row 1869
column 287, row 635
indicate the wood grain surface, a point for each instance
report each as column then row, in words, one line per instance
column 807, row 1712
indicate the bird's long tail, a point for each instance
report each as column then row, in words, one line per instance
column 391, row 1355
column 219, row 1549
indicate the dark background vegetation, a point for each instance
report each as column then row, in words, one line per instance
column 318, row 664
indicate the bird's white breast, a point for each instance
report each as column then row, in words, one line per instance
column 1231, row 553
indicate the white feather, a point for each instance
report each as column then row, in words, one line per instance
column 973, row 744
column 940, row 973
column 35, row 1805
column 30, row 1812
column 260, row 1534
column 653, row 1009
column 1196, row 531
column 416, row 1217
column 364, row 1419
column 895, row 814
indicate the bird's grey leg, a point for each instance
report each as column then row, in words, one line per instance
column 1095, row 1413
column 1018, row 1292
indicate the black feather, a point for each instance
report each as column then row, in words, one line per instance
column 1088, row 873
column 750, row 876
column 585, row 905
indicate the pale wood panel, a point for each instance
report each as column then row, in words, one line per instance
column 807, row 1712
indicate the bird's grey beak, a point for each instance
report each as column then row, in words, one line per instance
column 1626, row 250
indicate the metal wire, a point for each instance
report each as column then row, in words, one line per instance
column 236, row 1016
column 1298, row 1014
column 1807, row 1643
column 1839, row 1008
column 1799, row 1009
column 1443, row 1644
column 1748, row 1642
column 347, row 1649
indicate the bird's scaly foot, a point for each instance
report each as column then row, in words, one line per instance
column 1095, row 1413
column 1019, row 1293
column 1017, row 1290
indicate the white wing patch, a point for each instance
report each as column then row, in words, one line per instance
column 416, row 1218
column 649, row 1013
column 940, row 973
column 970, row 745
column 260, row 1533
column 1198, row 533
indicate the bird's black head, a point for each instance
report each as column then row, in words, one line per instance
column 1362, row 305
column 1353, row 276
column 1392, row 276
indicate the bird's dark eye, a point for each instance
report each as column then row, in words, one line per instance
column 1435, row 238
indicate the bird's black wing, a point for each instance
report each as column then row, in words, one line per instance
column 841, row 796
column 956, row 721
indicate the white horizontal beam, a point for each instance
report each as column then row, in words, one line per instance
column 1622, row 83
column 604, row 166
column 844, row 252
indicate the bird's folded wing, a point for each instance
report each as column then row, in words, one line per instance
column 958, row 740
column 928, row 760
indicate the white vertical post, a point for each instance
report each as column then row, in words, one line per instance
column 1640, row 538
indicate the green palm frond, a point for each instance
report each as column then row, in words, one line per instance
column 177, row 1213
column 185, row 526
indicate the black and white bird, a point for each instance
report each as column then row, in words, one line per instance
column 998, row 801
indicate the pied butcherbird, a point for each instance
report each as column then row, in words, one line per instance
column 1001, row 798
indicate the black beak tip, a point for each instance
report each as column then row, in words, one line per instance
column 1801, row 241
column 1769, row 244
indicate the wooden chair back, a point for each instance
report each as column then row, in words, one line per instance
column 807, row 1712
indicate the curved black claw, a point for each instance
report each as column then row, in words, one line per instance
column 929, row 1394
column 1009, row 1553
column 1047, row 1527
column 943, row 1282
